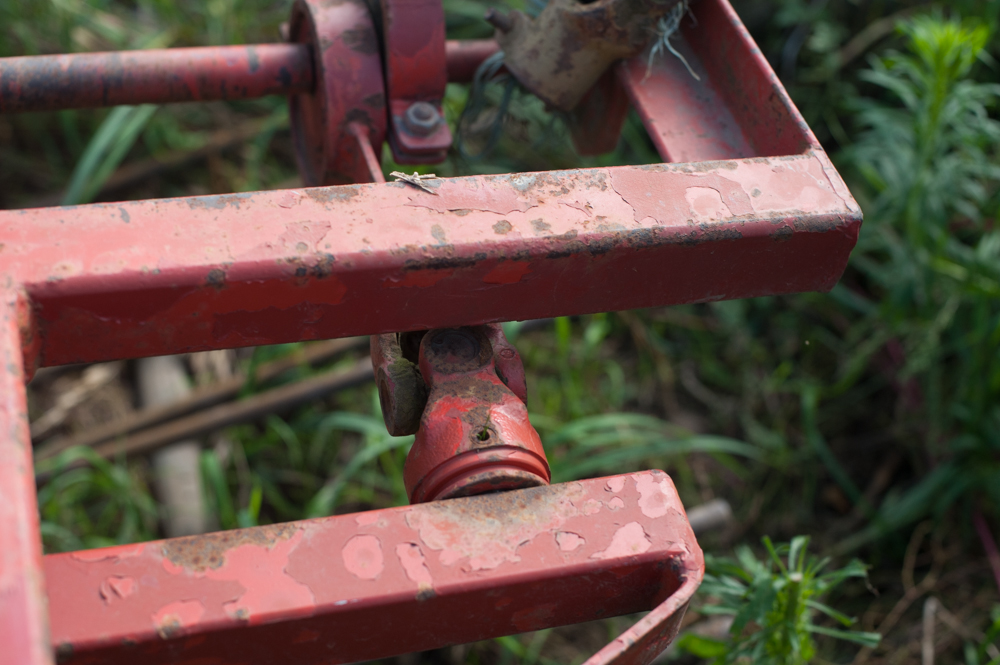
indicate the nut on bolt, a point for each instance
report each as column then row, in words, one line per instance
column 421, row 119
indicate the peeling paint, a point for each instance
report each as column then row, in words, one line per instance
column 473, row 194
column 662, row 195
column 208, row 552
column 616, row 484
column 569, row 541
column 362, row 556
column 616, row 503
column 654, row 496
column 171, row 619
column 487, row 531
column 412, row 559
column 116, row 587
column 628, row 540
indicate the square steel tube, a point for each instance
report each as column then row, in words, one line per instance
column 356, row 587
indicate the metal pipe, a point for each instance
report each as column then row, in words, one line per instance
column 161, row 76
column 87, row 80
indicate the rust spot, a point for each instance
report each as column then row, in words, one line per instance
column 540, row 226
column 502, row 227
column 216, row 278
column 486, row 531
column 201, row 553
column 171, row 619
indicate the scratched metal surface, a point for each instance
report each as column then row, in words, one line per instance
column 369, row 585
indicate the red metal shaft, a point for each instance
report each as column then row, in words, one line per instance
column 161, row 76
column 85, row 80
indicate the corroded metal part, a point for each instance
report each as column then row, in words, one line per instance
column 561, row 54
column 416, row 68
column 180, row 275
column 348, row 91
column 165, row 76
column 474, row 435
column 158, row 76
column 370, row 585
column 402, row 392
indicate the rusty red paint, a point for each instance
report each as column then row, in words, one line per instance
column 357, row 587
column 416, row 69
column 462, row 391
column 347, row 106
column 163, row 76
column 179, row 275
column 82, row 80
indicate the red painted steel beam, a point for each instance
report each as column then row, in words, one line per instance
column 23, row 627
column 162, row 76
column 356, row 587
column 168, row 276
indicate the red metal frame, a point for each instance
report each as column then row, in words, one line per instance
column 766, row 214
column 356, row 587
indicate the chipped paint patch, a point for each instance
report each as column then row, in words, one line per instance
column 208, row 552
column 486, row 531
column 616, row 503
column 120, row 552
column 363, row 558
column 116, row 587
column 569, row 541
column 616, row 484
column 628, row 540
column 654, row 496
column 412, row 559
column 170, row 620
column 366, row 519
column 281, row 593
column 473, row 194
column 662, row 195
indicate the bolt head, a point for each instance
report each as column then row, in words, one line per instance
column 421, row 119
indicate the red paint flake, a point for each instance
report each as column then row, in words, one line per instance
column 412, row 560
column 569, row 541
column 473, row 194
column 654, row 496
column 662, row 195
column 363, row 557
column 629, row 540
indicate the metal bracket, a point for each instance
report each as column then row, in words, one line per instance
column 416, row 73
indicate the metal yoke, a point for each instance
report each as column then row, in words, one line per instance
column 746, row 204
